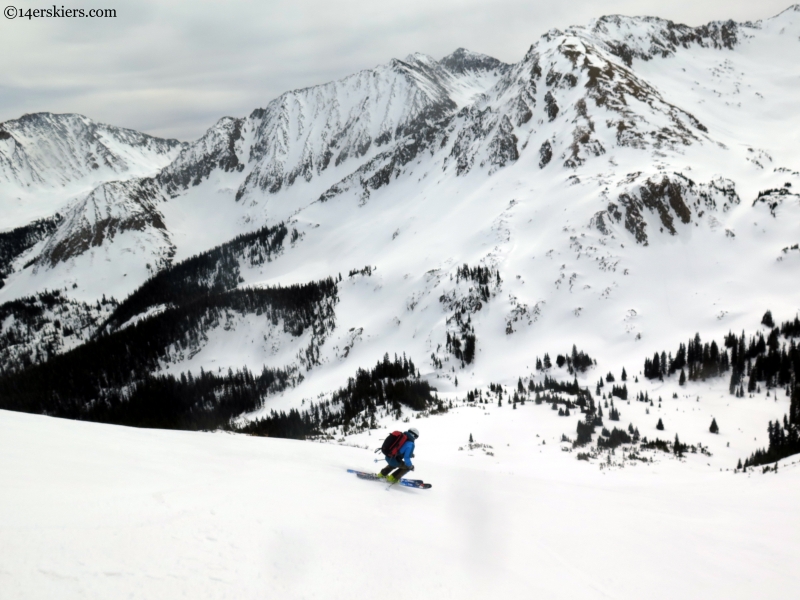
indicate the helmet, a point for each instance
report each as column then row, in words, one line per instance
column 414, row 431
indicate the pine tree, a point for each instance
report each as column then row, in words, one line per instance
column 624, row 375
column 714, row 428
column 660, row 425
column 470, row 438
column 682, row 380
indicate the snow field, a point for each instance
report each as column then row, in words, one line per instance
column 97, row 511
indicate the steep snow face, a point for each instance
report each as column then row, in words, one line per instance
column 303, row 132
column 220, row 148
column 468, row 75
column 46, row 159
column 106, row 212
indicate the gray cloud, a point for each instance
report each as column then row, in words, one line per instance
column 173, row 68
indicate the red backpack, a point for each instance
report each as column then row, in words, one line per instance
column 393, row 442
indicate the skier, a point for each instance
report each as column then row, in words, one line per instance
column 400, row 462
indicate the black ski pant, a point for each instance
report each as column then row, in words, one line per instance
column 399, row 472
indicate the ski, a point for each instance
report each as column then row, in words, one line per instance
column 373, row 476
column 413, row 483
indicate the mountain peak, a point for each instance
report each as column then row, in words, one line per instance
column 419, row 57
column 463, row 60
column 48, row 158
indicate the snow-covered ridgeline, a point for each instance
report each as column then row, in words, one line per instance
column 47, row 159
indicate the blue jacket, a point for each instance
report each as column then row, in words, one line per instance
column 403, row 455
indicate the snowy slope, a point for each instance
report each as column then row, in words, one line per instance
column 48, row 163
column 96, row 511
column 47, row 159
column 713, row 260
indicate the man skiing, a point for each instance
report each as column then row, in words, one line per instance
column 400, row 461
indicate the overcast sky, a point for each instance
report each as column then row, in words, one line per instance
column 173, row 68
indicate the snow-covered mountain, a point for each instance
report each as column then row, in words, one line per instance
column 49, row 158
column 313, row 136
column 624, row 185
column 47, row 161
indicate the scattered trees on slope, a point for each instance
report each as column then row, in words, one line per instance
column 387, row 387
column 111, row 368
column 211, row 272
column 784, row 437
column 13, row 243
column 36, row 328
column 751, row 362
